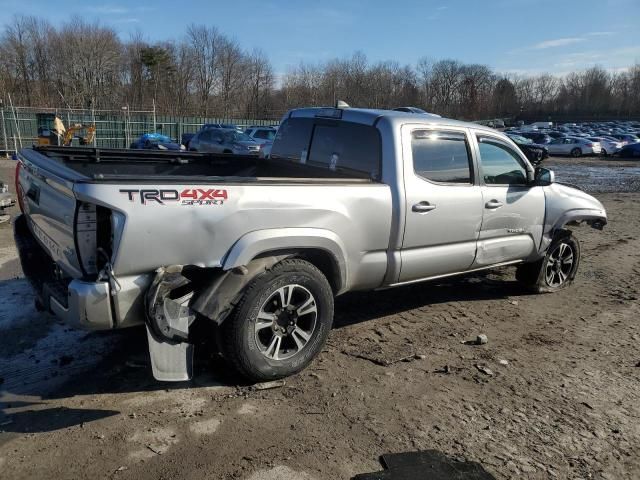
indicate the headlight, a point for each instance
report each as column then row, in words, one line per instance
column 182, row 147
column 162, row 147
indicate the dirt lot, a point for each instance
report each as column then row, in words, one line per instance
column 563, row 400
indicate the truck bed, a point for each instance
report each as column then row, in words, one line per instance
column 104, row 165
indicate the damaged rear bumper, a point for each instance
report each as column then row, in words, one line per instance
column 79, row 303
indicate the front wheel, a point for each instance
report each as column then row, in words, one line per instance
column 556, row 270
column 281, row 323
column 604, row 152
column 576, row 152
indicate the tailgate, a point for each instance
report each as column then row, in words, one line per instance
column 51, row 208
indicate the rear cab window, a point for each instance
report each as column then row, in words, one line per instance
column 336, row 145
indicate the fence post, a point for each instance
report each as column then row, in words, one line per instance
column 15, row 120
column 4, row 130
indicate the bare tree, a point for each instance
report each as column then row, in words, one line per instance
column 205, row 43
column 81, row 63
column 15, row 52
column 260, row 83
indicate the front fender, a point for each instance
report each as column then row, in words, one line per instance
column 566, row 204
column 259, row 242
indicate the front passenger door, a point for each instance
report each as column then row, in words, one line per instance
column 443, row 202
column 513, row 212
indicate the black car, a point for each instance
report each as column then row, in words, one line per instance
column 537, row 137
column 534, row 152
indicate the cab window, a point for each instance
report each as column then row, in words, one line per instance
column 441, row 156
column 499, row 164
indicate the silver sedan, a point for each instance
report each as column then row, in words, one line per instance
column 574, row 146
column 608, row 146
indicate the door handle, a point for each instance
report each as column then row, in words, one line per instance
column 493, row 204
column 423, row 207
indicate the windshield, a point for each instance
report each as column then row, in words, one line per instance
column 232, row 137
column 519, row 139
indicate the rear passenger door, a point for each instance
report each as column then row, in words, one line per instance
column 443, row 202
column 513, row 209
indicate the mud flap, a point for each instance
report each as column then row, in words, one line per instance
column 170, row 361
column 168, row 319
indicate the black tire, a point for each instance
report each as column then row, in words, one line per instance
column 247, row 343
column 551, row 273
column 576, row 152
column 603, row 152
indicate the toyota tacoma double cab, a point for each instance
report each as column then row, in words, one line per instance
column 350, row 199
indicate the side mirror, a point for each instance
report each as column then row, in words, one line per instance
column 544, row 176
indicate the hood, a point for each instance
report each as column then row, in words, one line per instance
column 248, row 144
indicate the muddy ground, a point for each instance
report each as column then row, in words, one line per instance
column 563, row 400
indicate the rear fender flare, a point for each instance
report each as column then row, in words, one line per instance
column 255, row 253
column 271, row 241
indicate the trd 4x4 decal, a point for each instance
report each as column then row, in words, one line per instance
column 188, row 196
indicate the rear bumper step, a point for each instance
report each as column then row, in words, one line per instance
column 82, row 304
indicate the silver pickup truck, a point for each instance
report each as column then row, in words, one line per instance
column 350, row 199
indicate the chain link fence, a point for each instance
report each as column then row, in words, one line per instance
column 114, row 128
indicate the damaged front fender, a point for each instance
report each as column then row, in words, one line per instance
column 569, row 205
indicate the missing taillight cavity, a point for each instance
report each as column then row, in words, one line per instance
column 93, row 237
column 104, row 236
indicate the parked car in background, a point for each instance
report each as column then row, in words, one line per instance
column 265, row 150
column 626, row 138
column 574, row 146
column 537, row 137
column 534, row 152
column 224, row 140
column 229, row 126
column 261, row 134
column 631, row 150
column 609, row 146
column 155, row 141
column 186, row 137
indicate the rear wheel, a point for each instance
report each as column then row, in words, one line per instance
column 603, row 152
column 556, row 270
column 576, row 152
column 281, row 323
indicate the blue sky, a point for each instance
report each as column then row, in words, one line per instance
column 512, row 36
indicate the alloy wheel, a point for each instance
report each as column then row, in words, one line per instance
column 559, row 265
column 286, row 322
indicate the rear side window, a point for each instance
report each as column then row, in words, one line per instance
column 292, row 139
column 335, row 145
column 441, row 156
column 345, row 145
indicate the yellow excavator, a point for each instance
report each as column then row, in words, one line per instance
column 84, row 133
column 58, row 135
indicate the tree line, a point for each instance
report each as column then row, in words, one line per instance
column 83, row 64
